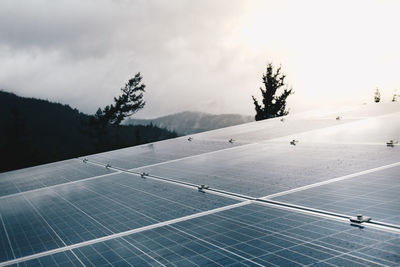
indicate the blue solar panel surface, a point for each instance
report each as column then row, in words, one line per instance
column 154, row 153
column 73, row 213
column 65, row 215
column 375, row 194
column 376, row 130
column 46, row 175
column 251, row 235
column 66, row 259
column 261, row 169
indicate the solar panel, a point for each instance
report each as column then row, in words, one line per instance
column 75, row 213
column 255, row 200
column 154, row 153
column 47, row 175
column 249, row 235
column 375, row 194
column 369, row 131
column 265, row 130
column 261, row 169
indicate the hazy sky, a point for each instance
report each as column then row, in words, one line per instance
column 199, row 55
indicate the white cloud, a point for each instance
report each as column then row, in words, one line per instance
column 198, row 55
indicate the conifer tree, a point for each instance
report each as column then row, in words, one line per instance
column 377, row 96
column 394, row 96
column 128, row 103
column 273, row 105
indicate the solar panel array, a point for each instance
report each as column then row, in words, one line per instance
column 238, row 196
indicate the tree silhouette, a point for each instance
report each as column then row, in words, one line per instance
column 273, row 105
column 377, row 96
column 394, row 96
column 128, row 103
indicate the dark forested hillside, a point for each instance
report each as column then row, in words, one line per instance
column 34, row 131
column 189, row 122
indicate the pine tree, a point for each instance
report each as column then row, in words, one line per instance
column 394, row 96
column 377, row 96
column 273, row 105
column 128, row 103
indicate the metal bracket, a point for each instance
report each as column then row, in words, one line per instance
column 202, row 187
column 391, row 143
column 294, row 142
column 360, row 219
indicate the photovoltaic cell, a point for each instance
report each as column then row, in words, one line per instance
column 46, row 175
column 153, row 153
column 272, row 236
column 269, row 129
column 364, row 111
column 263, row 169
column 51, row 217
column 375, row 195
column 5, row 250
column 27, row 230
column 250, row 235
column 376, row 130
column 65, row 259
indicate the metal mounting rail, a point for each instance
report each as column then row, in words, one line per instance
column 299, row 208
column 284, row 204
column 384, row 224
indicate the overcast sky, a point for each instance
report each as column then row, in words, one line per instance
column 199, row 55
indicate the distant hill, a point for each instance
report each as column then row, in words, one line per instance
column 193, row 122
column 34, row 131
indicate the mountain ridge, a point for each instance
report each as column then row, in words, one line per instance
column 190, row 122
column 36, row 131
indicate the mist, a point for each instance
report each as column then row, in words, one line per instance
column 204, row 56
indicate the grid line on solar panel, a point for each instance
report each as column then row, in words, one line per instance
column 25, row 227
column 182, row 183
column 168, row 250
column 58, row 185
column 333, row 180
column 273, row 168
column 61, row 259
column 121, row 234
column 373, row 194
column 103, row 163
column 186, row 247
column 342, row 258
column 13, row 187
column 336, row 179
column 141, row 174
column 293, row 190
column 292, row 232
column 214, row 245
column 94, row 163
column 51, row 228
column 161, row 151
column 333, row 215
column 45, row 175
column 293, row 239
column 60, row 226
column 4, row 248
